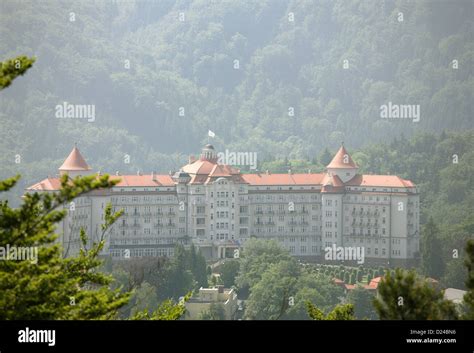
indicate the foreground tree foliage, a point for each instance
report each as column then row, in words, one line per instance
column 167, row 310
column 11, row 69
column 469, row 296
column 362, row 300
column 340, row 312
column 405, row 296
column 279, row 286
column 53, row 287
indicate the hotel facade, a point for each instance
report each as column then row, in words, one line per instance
column 218, row 208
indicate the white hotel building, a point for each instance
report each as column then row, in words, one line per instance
column 218, row 209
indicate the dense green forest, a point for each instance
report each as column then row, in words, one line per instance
column 266, row 76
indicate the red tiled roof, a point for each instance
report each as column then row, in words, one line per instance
column 342, row 159
column 51, row 184
column 332, row 183
column 147, row 180
column 380, row 180
column 74, row 161
column 222, row 170
column 283, row 179
column 203, row 166
column 199, row 167
column 48, row 184
column 328, row 183
column 374, row 283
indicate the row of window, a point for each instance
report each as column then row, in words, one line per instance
column 154, row 232
column 367, row 232
column 143, row 199
column 222, row 194
column 290, row 197
column 141, row 252
column 147, row 241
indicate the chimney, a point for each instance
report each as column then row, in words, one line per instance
column 220, row 288
column 153, row 176
column 99, row 173
column 138, row 172
column 192, row 159
column 289, row 171
column 309, row 171
column 117, row 173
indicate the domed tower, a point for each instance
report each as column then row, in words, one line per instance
column 342, row 165
column 209, row 154
column 75, row 165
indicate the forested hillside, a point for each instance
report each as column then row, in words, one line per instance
column 266, row 76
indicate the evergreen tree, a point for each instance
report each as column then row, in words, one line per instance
column 362, row 299
column 53, row 287
column 11, row 69
column 340, row 312
column 431, row 251
column 469, row 296
column 229, row 271
column 404, row 296
column 325, row 157
column 197, row 265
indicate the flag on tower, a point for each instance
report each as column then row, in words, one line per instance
column 211, row 134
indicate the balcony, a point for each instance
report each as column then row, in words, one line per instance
column 292, row 223
column 270, row 223
column 258, row 212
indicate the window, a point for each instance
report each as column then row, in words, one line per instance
column 200, row 221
